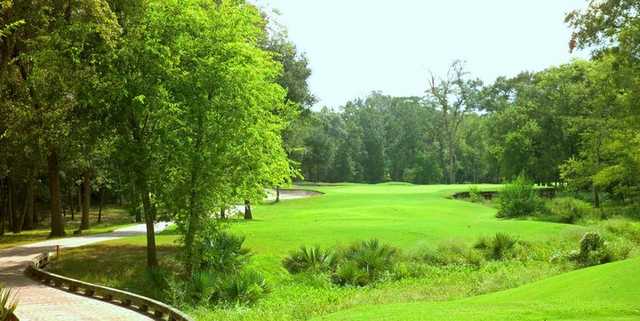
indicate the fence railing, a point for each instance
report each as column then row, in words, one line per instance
column 144, row 305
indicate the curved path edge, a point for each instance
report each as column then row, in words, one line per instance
column 38, row 302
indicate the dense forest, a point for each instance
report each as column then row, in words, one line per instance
column 174, row 108
column 182, row 108
column 576, row 124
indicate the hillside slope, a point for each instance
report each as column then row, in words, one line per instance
column 608, row 292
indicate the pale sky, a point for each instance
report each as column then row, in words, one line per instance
column 358, row 46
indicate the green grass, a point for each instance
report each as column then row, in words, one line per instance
column 112, row 219
column 408, row 216
column 606, row 292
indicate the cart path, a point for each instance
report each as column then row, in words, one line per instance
column 38, row 302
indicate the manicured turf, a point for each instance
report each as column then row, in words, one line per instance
column 408, row 216
column 606, row 292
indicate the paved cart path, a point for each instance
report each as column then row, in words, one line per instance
column 38, row 302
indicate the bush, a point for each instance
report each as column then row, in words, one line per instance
column 223, row 252
column 519, row 199
column 624, row 228
column 312, row 259
column 568, row 210
column 372, row 256
column 451, row 253
column 365, row 262
column 497, row 248
column 594, row 250
column 350, row 273
column 8, row 303
column 474, row 194
column 245, row 287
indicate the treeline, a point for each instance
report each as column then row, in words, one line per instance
column 176, row 107
column 576, row 124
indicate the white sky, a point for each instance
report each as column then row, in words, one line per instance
column 357, row 46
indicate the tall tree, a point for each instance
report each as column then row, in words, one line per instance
column 455, row 96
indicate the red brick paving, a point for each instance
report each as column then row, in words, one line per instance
column 37, row 302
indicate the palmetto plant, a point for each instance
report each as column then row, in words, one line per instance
column 372, row 256
column 309, row 259
column 8, row 303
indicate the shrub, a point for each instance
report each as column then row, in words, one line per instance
column 474, row 194
column 624, row 228
column 350, row 273
column 499, row 247
column 8, row 303
column 519, row 199
column 245, row 287
column 365, row 262
column 451, row 253
column 567, row 209
column 223, row 252
column 312, row 259
column 594, row 250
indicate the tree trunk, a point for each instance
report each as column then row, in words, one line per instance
column 223, row 214
column 152, row 259
column 247, row 210
column 100, row 205
column 277, row 194
column 79, row 201
column 86, row 200
column 596, row 197
column 3, row 207
column 57, row 221
column 192, row 226
column 70, row 200
column 10, row 204
column 30, row 210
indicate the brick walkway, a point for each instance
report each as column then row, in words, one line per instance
column 42, row 303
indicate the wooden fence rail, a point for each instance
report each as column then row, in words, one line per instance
column 144, row 305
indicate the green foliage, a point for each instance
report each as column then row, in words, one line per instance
column 8, row 303
column 620, row 227
column 312, row 259
column 595, row 250
column 498, row 247
column 474, row 194
column 222, row 252
column 243, row 288
column 450, row 254
column 371, row 257
column 567, row 209
column 519, row 198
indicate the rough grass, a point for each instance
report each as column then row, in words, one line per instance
column 606, row 292
column 112, row 219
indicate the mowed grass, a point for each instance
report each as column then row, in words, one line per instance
column 407, row 216
column 410, row 217
column 606, row 292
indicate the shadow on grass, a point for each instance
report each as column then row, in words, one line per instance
column 119, row 266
